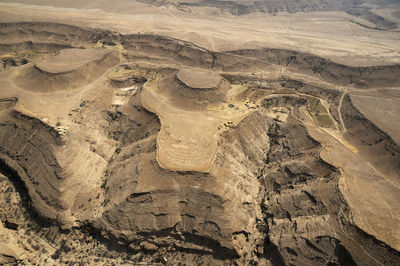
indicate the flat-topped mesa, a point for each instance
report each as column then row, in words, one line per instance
column 70, row 59
column 67, row 70
column 198, row 78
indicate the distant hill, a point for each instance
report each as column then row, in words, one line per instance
column 239, row 7
column 358, row 8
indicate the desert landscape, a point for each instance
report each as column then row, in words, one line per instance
column 199, row 132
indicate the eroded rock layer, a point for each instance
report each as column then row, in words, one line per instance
column 122, row 157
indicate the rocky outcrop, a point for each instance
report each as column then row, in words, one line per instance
column 296, row 179
column 27, row 146
column 362, row 77
column 190, row 211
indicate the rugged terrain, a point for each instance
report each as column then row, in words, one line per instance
column 120, row 148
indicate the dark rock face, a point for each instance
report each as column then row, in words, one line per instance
column 11, row 225
column 27, row 141
column 294, row 179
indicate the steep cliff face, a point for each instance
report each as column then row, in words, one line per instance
column 130, row 164
column 214, row 214
column 376, row 146
column 27, row 146
column 300, row 191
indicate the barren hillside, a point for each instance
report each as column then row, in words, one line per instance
column 140, row 148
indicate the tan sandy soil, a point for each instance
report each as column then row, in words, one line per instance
column 198, row 78
column 332, row 35
column 382, row 111
column 70, row 59
column 362, row 185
